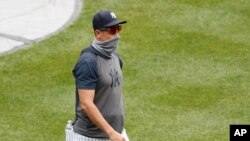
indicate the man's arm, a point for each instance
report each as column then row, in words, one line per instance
column 87, row 104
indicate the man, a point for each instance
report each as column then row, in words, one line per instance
column 98, row 78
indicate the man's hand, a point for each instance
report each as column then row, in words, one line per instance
column 115, row 136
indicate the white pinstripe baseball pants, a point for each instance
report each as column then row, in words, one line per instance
column 72, row 136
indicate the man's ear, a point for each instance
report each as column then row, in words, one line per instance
column 97, row 33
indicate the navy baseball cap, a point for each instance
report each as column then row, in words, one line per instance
column 105, row 18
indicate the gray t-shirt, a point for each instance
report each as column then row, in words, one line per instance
column 96, row 72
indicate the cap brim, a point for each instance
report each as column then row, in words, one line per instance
column 115, row 23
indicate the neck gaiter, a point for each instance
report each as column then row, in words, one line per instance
column 106, row 48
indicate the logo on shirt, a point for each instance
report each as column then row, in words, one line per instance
column 115, row 79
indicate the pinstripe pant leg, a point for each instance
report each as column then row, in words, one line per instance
column 72, row 136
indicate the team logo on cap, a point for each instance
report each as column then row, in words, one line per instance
column 113, row 15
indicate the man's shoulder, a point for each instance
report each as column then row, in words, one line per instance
column 88, row 54
column 86, row 61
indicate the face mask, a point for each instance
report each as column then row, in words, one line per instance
column 106, row 48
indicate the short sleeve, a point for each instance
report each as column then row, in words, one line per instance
column 85, row 73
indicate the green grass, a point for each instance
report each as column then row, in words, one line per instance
column 186, row 72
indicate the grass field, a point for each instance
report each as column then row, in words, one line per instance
column 186, row 72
